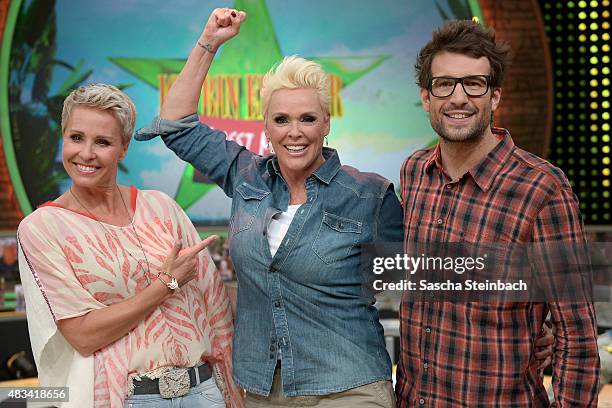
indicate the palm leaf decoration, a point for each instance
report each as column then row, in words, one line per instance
column 35, row 113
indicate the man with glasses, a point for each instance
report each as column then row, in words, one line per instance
column 474, row 186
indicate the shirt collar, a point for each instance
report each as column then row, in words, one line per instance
column 434, row 159
column 325, row 172
column 484, row 172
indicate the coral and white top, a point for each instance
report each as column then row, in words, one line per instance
column 71, row 264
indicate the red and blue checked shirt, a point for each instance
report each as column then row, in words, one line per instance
column 482, row 354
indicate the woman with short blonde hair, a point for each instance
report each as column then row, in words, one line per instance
column 116, row 311
column 306, row 332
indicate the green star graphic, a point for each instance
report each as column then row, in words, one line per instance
column 254, row 51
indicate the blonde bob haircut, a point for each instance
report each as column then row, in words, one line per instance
column 105, row 98
column 295, row 72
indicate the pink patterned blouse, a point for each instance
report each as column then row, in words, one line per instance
column 80, row 264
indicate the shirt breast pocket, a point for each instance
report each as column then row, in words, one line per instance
column 336, row 237
column 246, row 205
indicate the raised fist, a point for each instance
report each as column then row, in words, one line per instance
column 222, row 25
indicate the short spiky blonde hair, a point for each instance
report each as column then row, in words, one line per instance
column 296, row 72
column 106, row 98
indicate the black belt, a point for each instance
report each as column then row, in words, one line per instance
column 149, row 386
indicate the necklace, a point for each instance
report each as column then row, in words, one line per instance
column 131, row 224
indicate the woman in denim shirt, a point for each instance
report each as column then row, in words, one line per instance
column 306, row 331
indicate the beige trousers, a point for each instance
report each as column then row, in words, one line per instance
column 375, row 395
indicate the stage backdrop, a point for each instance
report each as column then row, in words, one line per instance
column 368, row 48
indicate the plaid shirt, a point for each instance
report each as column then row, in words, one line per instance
column 482, row 354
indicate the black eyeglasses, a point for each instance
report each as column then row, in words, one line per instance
column 473, row 85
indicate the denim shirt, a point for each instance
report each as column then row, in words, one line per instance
column 307, row 301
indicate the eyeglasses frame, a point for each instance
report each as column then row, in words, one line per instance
column 460, row 80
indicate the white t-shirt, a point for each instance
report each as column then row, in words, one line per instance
column 278, row 227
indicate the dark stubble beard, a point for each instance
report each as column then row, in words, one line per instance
column 471, row 134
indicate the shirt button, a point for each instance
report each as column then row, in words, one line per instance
column 272, row 347
column 427, row 330
column 449, row 186
column 440, row 221
column 277, row 304
column 425, row 365
column 421, row 401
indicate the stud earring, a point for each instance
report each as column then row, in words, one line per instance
column 269, row 147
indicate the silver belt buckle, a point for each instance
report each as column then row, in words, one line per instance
column 174, row 383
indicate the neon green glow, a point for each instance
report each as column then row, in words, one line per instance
column 476, row 10
column 5, row 123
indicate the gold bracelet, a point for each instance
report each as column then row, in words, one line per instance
column 172, row 285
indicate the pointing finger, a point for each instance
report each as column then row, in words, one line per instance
column 200, row 245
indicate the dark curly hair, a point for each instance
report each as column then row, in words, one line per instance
column 464, row 37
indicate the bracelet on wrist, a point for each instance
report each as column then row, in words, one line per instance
column 172, row 284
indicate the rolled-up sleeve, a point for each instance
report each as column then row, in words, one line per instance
column 390, row 219
column 205, row 148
